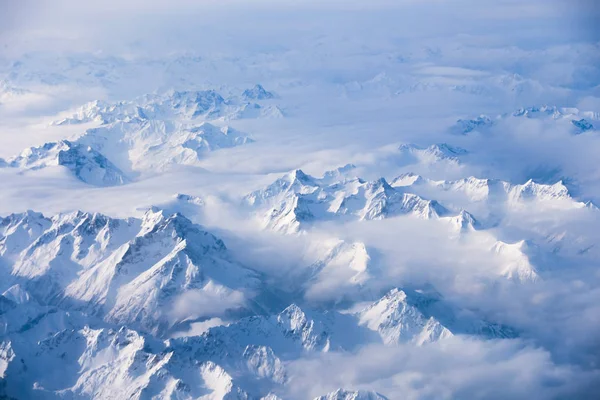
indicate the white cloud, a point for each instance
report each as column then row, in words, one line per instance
column 198, row 328
column 454, row 368
column 210, row 301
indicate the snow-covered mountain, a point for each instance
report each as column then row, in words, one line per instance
column 110, row 364
column 257, row 93
column 340, row 265
column 494, row 204
column 155, row 145
column 83, row 161
column 397, row 321
column 323, row 201
column 243, row 359
column 119, row 303
column 132, row 148
column 459, row 321
column 185, row 105
column 149, row 134
column 494, row 191
column 342, row 394
column 121, row 280
column 442, row 152
column 140, row 272
column 577, row 121
column 26, row 319
column 518, row 266
column 296, row 200
column 465, row 82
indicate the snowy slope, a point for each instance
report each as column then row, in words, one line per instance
column 494, row 192
column 155, row 145
column 341, row 266
column 296, row 200
column 575, row 120
column 83, row 161
column 341, row 394
column 110, row 364
column 107, row 362
column 397, row 321
column 149, row 134
column 125, row 271
column 174, row 105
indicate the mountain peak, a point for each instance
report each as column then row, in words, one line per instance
column 293, row 315
column 441, row 152
column 158, row 220
column 464, row 222
column 17, row 294
column 516, row 260
column 83, row 161
column 284, row 190
column 257, row 93
column 536, row 110
column 465, row 126
column 342, row 394
column 538, row 191
column 380, row 183
column 17, row 231
column 196, row 200
column 398, row 321
column 300, row 175
column 297, row 197
column 338, row 173
column 582, row 125
column 446, row 150
column 408, row 179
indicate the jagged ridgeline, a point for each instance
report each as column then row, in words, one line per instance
column 405, row 210
column 148, row 135
column 76, row 281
